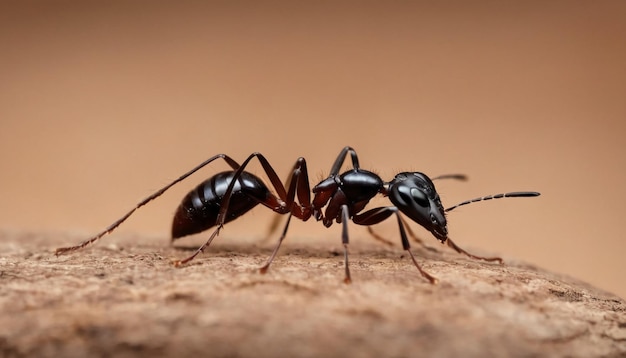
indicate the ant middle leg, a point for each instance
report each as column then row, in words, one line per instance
column 298, row 183
column 263, row 269
column 345, row 240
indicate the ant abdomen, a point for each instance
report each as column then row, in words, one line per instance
column 200, row 208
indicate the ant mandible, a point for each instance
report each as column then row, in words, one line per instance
column 340, row 197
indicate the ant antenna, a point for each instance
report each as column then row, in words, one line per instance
column 461, row 177
column 515, row 194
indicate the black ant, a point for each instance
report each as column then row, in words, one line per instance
column 340, row 197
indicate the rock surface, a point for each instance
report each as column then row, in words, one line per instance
column 124, row 298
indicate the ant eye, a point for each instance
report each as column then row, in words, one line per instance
column 419, row 197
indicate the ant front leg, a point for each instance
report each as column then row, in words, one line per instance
column 449, row 242
column 377, row 215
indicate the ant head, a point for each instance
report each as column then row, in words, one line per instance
column 415, row 195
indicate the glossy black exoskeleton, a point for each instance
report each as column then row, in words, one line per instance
column 340, row 198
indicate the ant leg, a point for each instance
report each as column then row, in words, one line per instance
column 345, row 240
column 374, row 216
column 298, row 183
column 264, row 268
column 415, row 237
column 407, row 247
column 449, row 242
column 378, row 237
column 117, row 223
column 461, row 251
column 340, row 159
column 377, row 215
column 409, row 231
column 287, row 198
column 412, row 234
column 179, row 263
column 299, row 179
column 302, row 189
column 273, row 226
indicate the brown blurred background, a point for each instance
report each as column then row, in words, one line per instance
column 102, row 103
